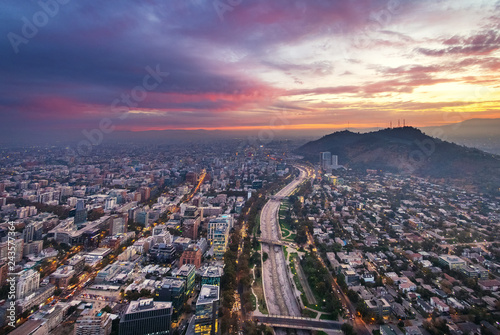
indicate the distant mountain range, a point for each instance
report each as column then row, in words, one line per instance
column 408, row 150
column 483, row 134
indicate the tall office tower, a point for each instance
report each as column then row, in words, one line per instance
column 28, row 282
column 80, row 212
column 142, row 218
column 187, row 272
column 221, row 221
column 118, row 224
column 191, row 220
column 220, row 241
column 207, row 306
column 190, row 228
column 33, row 232
column 110, row 203
column 145, row 193
column 147, row 316
column 173, row 290
column 335, row 161
column 325, row 160
column 29, row 233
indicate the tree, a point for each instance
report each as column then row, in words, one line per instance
column 107, row 309
column 74, row 280
column 341, row 282
column 347, row 329
column 255, row 243
column 265, row 256
column 353, row 296
column 71, row 310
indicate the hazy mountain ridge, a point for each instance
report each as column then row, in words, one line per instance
column 408, row 150
column 483, row 134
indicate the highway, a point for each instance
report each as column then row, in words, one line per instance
column 278, row 289
column 298, row 322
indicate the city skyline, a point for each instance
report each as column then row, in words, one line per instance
column 302, row 65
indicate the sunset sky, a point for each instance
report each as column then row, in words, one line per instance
column 299, row 63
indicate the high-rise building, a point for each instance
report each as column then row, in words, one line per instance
column 220, row 240
column 145, row 193
column 207, row 308
column 72, row 201
column 147, row 316
column 92, row 323
column 28, row 282
column 77, row 262
column 80, row 212
column 142, row 218
column 162, row 253
column 33, row 232
column 325, row 160
column 118, row 224
column 110, row 203
column 212, row 275
column 187, row 272
column 192, row 212
column 62, row 276
column 191, row 219
column 222, row 221
column 33, row 248
column 172, row 289
column 190, row 228
column 335, row 161
column 6, row 246
column 29, row 233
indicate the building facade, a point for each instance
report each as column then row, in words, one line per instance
column 147, row 316
column 207, row 306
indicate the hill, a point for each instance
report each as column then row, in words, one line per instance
column 407, row 150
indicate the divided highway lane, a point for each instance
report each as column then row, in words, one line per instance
column 299, row 323
column 278, row 289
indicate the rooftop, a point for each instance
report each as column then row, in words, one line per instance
column 208, row 294
column 147, row 304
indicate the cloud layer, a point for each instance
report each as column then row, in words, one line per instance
column 68, row 64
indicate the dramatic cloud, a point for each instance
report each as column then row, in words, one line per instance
column 219, row 64
column 483, row 43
